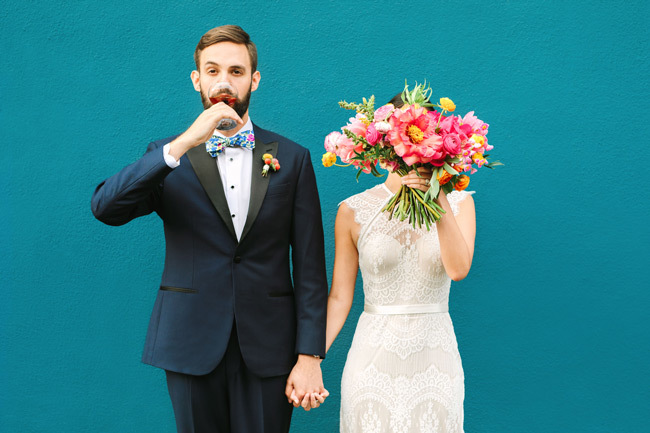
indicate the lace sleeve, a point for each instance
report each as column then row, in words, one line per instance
column 362, row 212
column 366, row 204
column 455, row 197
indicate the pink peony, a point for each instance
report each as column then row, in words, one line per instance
column 382, row 113
column 346, row 149
column 372, row 135
column 465, row 129
column 413, row 136
column 331, row 141
column 450, row 125
column 358, row 124
column 435, row 116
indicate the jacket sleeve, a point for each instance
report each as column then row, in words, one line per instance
column 308, row 257
column 134, row 191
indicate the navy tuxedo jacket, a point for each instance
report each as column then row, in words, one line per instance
column 210, row 280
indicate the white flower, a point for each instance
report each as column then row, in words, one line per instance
column 383, row 127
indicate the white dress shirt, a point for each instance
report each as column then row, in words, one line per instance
column 235, row 165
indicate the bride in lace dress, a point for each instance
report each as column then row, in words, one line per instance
column 403, row 372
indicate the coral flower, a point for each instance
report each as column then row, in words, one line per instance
column 413, row 136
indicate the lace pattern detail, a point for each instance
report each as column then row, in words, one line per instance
column 403, row 372
column 365, row 204
column 455, row 197
column 375, row 401
column 405, row 335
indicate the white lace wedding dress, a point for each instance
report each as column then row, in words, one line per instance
column 403, row 372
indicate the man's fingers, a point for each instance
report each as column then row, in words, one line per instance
column 223, row 110
column 288, row 389
column 294, row 398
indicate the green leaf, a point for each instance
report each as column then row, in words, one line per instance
column 450, row 169
column 434, row 190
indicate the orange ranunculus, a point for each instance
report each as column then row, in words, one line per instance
column 462, row 182
column 443, row 177
column 447, row 104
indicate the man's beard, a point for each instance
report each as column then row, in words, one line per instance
column 240, row 106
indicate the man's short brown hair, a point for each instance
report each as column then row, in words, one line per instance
column 227, row 33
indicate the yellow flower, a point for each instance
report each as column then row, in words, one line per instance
column 447, row 104
column 478, row 139
column 477, row 157
column 267, row 156
column 329, row 159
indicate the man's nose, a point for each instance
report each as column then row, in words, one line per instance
column 223, row 77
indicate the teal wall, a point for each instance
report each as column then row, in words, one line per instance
column 552, row 321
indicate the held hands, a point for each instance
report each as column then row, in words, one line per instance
column 202, row 128
column 421, row 182
column 305, row 384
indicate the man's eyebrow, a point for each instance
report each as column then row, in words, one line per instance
column 210, row 62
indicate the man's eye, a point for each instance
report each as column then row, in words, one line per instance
column 211, row 71
column 236, row 72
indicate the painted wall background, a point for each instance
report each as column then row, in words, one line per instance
column 552, row 321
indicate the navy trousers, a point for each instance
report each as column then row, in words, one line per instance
column 229, row 399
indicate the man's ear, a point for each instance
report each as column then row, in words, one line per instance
column 195, row 76
column 255, row 80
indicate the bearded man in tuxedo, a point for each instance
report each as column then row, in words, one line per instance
column 238, row 332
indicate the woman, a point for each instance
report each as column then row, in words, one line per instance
column 403, row 372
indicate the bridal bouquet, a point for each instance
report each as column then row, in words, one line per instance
column 403, row 139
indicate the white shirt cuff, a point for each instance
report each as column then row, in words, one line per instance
column 170, row 160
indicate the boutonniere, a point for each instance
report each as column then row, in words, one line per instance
column 270, row 163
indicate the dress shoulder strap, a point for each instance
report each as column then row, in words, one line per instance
column 365, row 205
column 455, row 197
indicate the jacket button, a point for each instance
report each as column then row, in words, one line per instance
column 237, row 259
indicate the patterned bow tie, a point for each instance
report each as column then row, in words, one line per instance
column 244, row 139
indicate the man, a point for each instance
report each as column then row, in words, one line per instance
column 232, row 331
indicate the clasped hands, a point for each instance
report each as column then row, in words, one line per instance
column 305, row 384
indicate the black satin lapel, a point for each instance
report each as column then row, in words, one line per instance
column 259, row 183
column 207, row 171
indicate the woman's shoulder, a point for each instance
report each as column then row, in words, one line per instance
column 376, row 194
column 455, row 198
